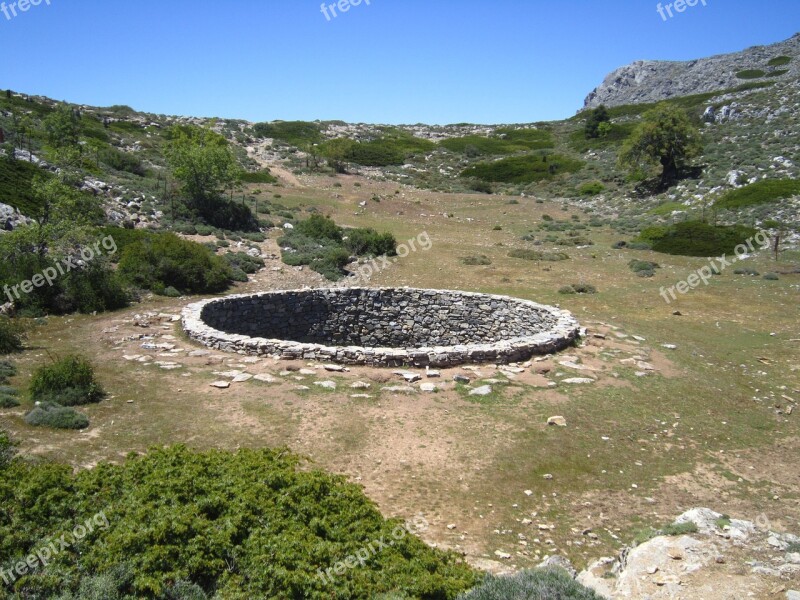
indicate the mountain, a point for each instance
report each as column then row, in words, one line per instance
column 646, row 81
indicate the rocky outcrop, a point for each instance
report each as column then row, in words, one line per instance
column 652, row 81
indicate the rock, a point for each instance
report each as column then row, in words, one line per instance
column 242, row 378
column 361, row 385
column 578, row 381
column 399, row 389
column 431, row 374
column 461, row 379
column 451, row 526
column 484, row 390
column 502, row 555
column 307, row 372
column 428, row 388
column 408, row 376
column 328, row 385
column 222, row 385
column 547, row 476
column 558, row 562
column 669, row 346
column 336, row 368
column 361, row 396
column 792, row 595
column 264, row 378
column 558, row 421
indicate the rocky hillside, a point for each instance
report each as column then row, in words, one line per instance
column 652, row 81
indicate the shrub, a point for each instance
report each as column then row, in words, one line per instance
column 578, row 288
column 69, row 382
column 8, row 401
column 696, row 238
column 48, row 414
column 751, row 74
column 165, row 260
column 12, row 335
column 540, row 584
column 320, row 227
column 643, row 268
column 259, row 177
column 591, row 189
column 746, row 271
column 7, row 370
column 537, row 255
column 566, row 290
column 639, row 246
column 780, row 61
column 761, row 192
column 244, row 262
column 771, row 277
column 472, row 261
column 523, row 169
column 676, row 529
column 170, row 292
column 363, row 242
column 314, row 520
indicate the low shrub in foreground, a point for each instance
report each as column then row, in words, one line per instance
column 68, row 382
column 540, row 584
column 537, row 255
column 249, row 524
column 761, row 192
column 12, row 335
column 50, row 414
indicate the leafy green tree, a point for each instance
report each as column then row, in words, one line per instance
column 202, row 161
column 666, row 137
column 598, row 116
column 63, row 127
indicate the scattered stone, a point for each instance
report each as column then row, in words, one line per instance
column 558, row 562
column 431, row 374
column 502, row 555
column 451, row 526
column 484, row 390
column 242, row 378
column 461, row 379
column 360, row 385
column 578, row 381
column 264, row 378
column 409, row 377
column 547, row 476
column 669, row 346
column 428, row 388
column 328, row 385
column 222, row 385
column 557, row 421
column 307, row 372
column 336, row 368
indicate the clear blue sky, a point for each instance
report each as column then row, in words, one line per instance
column 393, row 61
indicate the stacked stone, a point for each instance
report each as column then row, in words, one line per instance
column 381, row 327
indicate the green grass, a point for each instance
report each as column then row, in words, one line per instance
column 666, row 209
column 751, row 74
column 524, row 169
column 761, row 192
column 780, row 61
column 15, row 185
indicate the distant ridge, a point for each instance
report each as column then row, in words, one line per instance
column 652, row 81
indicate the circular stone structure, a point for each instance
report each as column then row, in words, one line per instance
column 381, row 326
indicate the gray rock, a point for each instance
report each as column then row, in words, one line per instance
column 484, row 390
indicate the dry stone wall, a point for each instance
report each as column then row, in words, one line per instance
column 381, row 327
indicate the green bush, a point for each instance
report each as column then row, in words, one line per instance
column 259, row 177
column 166, row 260
column 780, row 61
column 751, row 272
column 592, row 188
column 578, row 288
column 296, row 133
column 767, row 190
column 696, row 238
column 48, row 414
column 368, row 242
column 319, row 227
column 8, row 401
column 504, row 141
column 12, row 335
column 7, row 370
column 473, row 261
column 771, row 277
column 751, row 74
column 676, row 529
column 70, row 382
column 249, row 524
column 537, row 255
column 540, row 584
column 244, row 262
column 523, row 169
column 170, row 292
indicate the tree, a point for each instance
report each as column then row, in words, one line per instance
column 338, row 152
column 63, row 127
column 202, row 161
column 666, row 137
column 599, row 115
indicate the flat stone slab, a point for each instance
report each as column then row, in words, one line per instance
column 484, row 390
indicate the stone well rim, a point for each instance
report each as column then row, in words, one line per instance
column 557, row 337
